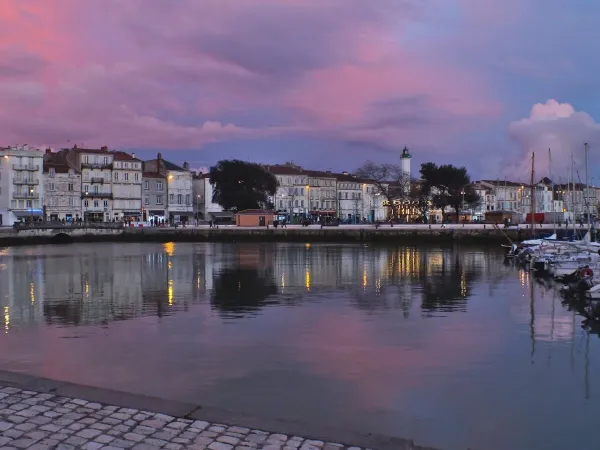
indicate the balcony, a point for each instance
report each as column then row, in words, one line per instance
column 102, row 165
column 30, row 167
column 27, row 195
column 96, row 195
column 97, row 180
column 31, row 182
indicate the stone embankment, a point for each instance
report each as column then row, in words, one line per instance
column 410, row 234
column 40, row 414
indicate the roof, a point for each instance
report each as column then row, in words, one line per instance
column 122, row 156
column 284, row 169
column 501, row 183
column 256, row 211
column 346, row 177
column 152, row 175
column 167, row 164
column 58, row 162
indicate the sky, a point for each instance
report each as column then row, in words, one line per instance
column 327, row 84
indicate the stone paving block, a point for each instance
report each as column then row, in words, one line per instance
column 104, row 439
column 5, row 426
column 88, row 433
column 92, row 446
column 4, row 440
column 22, row 443
column 122, row 443
column 228, row 440
column 220, row 446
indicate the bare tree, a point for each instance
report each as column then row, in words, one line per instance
column 389, row 180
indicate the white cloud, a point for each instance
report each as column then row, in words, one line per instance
column 559, row 127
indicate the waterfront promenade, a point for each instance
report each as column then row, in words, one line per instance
column 412, row 233
column 45, row 419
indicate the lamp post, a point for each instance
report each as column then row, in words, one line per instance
column 462, row 206
column 31, row 203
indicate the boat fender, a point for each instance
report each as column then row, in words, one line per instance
column 587, row 273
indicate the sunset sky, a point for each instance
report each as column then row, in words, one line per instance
column 325, row 83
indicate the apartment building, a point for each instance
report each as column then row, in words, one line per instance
column 204, row 207
column 21, row 186
column 292, row 197
column 350, row 198
column 95, row 166
column 62, row 188
column 179, row 187
column 322, row 194
column 127, row 187
column 154, row 193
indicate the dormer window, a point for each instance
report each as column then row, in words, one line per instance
column 52, row 172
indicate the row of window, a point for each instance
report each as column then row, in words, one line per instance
column 355, row 196
column 21, row 204
column 159, row 185
column 70, row 187
column 57, row 201
column 300, row 204
column 95, row 203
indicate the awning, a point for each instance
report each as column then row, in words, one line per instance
column 132, row 213
column 28, row 213
column 157, row 213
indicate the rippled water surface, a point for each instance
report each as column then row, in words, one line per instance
column 448, row 346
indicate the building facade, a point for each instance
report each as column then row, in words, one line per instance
column 204, row 207
column 62, row 188
column 350, row 198
column 127, row 187
column 154, row 193
column 322, row 194
column 21, row 184
column 291, row 201
column 179, row 188
column 95, row 166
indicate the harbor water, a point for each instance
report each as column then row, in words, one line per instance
column 448, row 346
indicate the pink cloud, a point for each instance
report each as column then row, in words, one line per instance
column 155, row 75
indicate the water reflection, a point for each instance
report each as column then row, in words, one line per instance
column 399, row 341
column 79, row 285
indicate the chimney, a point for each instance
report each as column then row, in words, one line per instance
column 186, row 166
column 48, row 151
column 344, row 173
column 159, row 156
column 133, row 155
column 104, row 147
column 75, row 147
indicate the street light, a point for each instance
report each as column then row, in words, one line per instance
column 31, row 203
column 463, row 204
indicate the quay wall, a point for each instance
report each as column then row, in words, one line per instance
column 399, row 234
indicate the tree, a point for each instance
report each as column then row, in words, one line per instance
column 242, row 185
column 389, row 181
column 420, row 198
column 449, row 185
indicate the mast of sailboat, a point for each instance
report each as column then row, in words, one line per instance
column 552, row 190
column 587, row 190
column 573, row 193
column 532, row 209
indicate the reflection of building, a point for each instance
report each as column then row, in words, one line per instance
column 21, row 184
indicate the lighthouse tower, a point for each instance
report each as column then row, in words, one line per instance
column 405, row 166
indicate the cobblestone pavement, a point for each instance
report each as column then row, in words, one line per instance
column 30, row 420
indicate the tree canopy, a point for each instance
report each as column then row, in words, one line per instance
column 449, row 186
column 242, row 185
column 388, row 179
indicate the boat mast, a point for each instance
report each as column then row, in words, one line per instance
column 587, row 201
column 552, row 191
column 532, row 195
column 573, row 192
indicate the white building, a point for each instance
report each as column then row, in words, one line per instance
column 62, row 188
column 350, row 198
column 292, row 196
column 21, row 186
column 95, row 166
column 204, row 207
column 127, row 187
column 322, row 194
column 179, row 188
column 373, row 209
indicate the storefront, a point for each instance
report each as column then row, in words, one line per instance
column 132, row 216
column 28, row 215
column 93, row 216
